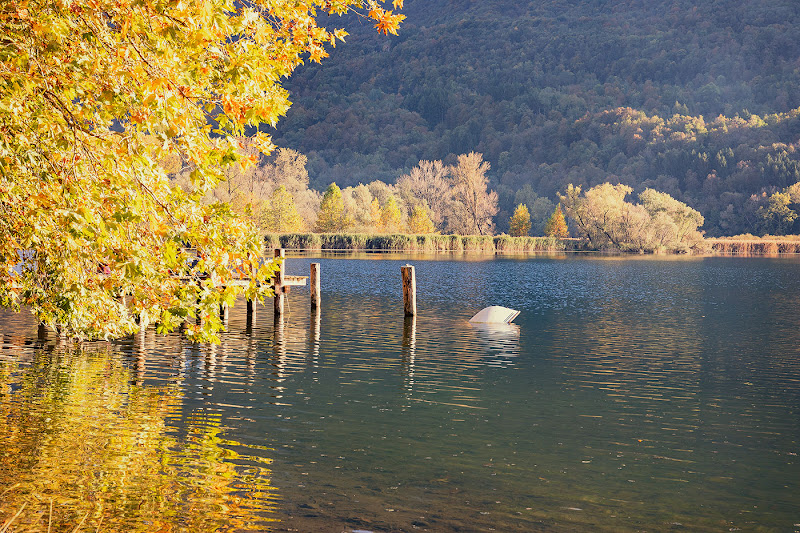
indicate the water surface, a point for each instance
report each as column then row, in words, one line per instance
column 630, row 395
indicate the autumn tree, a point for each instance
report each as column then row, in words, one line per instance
column 281, row 215
column 332, row 216
column 390, row 217
column 557, row 225
column 777, row 217
column 287, row 168
column 539, row 207
column 474, row 204
column 658, row 223
column 358, row 207
column 419, row 221
column 520, row 223
column 428, row 183
column 92, row 98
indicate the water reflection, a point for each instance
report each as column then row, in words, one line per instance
column 409, row 352
column 628, row 395
column 500, row 342
column 86, row 444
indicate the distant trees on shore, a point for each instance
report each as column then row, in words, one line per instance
column 456, row 199
column 431, row 198
column 657, row 223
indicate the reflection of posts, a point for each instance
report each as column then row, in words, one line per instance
column 211, row 361
column 279, row 348
column 251, row 315
column 251, row 355
column 277, row 281
column 224, row 314
column 316, row 323
column 409, row 290
column 141, row 354
column 316, row 293
column 409, row 351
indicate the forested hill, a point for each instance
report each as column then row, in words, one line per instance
column 696, row 99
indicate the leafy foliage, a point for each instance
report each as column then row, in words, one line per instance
column 520, row 223
column 419, row 222
column 474, row 204
column 281, row 216
column 332, row 217
column 658, row 223
column 557, row 225
column 390, row 219
column 93, row 97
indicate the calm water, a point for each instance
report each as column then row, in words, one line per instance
column 630, row 395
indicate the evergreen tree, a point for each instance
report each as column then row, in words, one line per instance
column 557, row 226
column 331, row 216
column 520, row 223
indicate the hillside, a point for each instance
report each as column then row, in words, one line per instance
column 698, row 101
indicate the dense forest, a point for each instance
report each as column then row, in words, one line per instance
column 700, row 100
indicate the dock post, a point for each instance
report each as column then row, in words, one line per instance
column 409, row 290
column 316, row 294
column 277, row 280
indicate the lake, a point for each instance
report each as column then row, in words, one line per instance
column 631, row 394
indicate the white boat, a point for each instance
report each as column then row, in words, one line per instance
column 495, row 314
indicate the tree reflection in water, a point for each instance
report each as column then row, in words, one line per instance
column 84, row 443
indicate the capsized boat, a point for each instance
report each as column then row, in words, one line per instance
column 495, row 314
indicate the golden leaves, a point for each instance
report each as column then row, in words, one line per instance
column 115, row 87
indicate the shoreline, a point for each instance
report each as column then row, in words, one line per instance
column 486, row 245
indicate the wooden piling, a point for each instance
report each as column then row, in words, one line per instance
column 277, row 280
column 316, row 293
column 409, row 290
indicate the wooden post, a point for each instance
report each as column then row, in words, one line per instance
column 224, row 314
column 277, row 280
column 409, row 290
column 316, row 294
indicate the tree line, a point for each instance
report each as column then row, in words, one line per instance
column 679, row 96
column 431, row 198
column 456, row 199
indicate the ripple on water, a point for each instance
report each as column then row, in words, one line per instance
column 625, row 393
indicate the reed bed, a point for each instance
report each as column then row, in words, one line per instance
column 472, row 244
column 750, row 245
column 503, row 244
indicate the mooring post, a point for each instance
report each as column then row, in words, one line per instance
column 409, row 290
column 277, row 281
column 316, row 294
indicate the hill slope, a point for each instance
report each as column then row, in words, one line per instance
column 553, row 92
